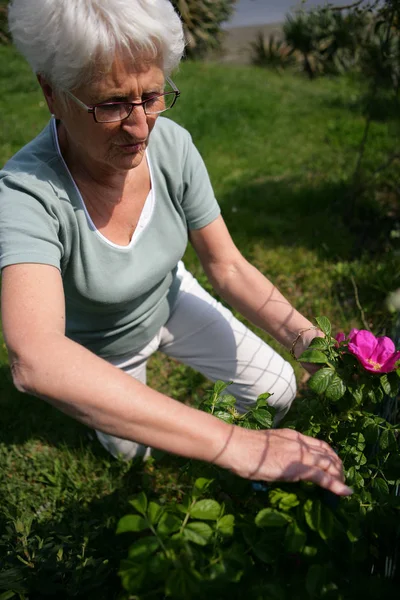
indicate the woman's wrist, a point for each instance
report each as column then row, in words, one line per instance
column 303, row 339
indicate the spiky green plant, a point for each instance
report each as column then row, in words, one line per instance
column 202, row 21
column 302, row 34
column 269, row 52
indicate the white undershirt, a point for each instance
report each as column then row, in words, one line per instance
column 145, row 215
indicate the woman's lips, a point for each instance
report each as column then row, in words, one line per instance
column 136, row 147
column 131, row 147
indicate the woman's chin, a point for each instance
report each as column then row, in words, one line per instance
column 127, row 160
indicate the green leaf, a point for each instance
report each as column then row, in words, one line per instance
column 131, row 523
column 140, row 503
column 269, row 517
column 283, row 500
column 7, row 595
column 387, row 440
column 226, row 400
column 263, row 417
column 379, row 394
column 391, row 467
column 219, row 387
column 385, row 384
column 381, row 485
column 310, row 551
column 181, row 584
column 315, row 579
column 319, row 518
column 223, row 415
column 371, row 433
column 168, row 524
column 324, row 325
column 357, row 393
column 200, row 486
column 320, row 380
column 198, row 533
column 132, row 575
column 394, row 382
column 319, row 342
column 313, row 356
column 336, row 388
column 356, row 440
column 295, row 538
column 354, row 478
column 154, row 512
column 354, row 531
column 261, row 544
column 208, row 510
column 226, row 525
column 262, row 400
column 144, row 547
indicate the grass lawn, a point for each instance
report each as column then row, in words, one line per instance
column 281, row 152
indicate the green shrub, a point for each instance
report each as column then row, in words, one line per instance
column 272, row 53
column 224, row 537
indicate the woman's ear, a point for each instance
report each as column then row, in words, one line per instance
column 48, row 93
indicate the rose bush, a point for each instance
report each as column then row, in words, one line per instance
column 223, row 537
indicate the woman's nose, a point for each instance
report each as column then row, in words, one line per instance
column 137, row 123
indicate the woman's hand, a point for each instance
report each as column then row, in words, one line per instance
column 301, row 346
column 284, row 455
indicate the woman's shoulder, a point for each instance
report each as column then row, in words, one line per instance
column 35, row 168
column 168, row 133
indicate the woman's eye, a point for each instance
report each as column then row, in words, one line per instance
column 109, row 107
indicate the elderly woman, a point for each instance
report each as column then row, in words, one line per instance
column 95, row 216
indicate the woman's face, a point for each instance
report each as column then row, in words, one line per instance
column 116, row 146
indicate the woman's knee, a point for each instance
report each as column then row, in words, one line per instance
column 280, row 383
column 283, row 391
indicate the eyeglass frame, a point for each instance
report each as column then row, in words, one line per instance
column 91, row 108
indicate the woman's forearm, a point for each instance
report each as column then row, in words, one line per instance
column 103, row 397
column 259, row 301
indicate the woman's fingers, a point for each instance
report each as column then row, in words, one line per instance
column 327, row 481
column 287, row 455
column 328, row 464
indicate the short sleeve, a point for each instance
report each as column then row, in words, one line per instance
column 199, row 202
column 29, row 224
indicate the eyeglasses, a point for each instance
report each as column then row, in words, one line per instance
column 111, row 112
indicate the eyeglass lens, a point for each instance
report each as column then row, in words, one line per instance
column 108, row 113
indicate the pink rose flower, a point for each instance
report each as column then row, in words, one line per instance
column 340, row 337
column 376, row 354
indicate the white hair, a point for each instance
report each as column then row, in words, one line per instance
column 71, row 42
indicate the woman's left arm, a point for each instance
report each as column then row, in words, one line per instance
column 246, row 289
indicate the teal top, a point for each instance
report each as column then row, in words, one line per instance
column 117, row 297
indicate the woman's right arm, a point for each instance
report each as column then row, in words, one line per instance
column 45, row 363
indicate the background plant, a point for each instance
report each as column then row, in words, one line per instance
column 202, row 21
column 4, row 34
column 270, row 52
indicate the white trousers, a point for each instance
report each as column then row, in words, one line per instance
column 206, row 336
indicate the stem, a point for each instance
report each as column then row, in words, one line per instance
column 154, row 532
column 187, row 517
column 358, row 304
